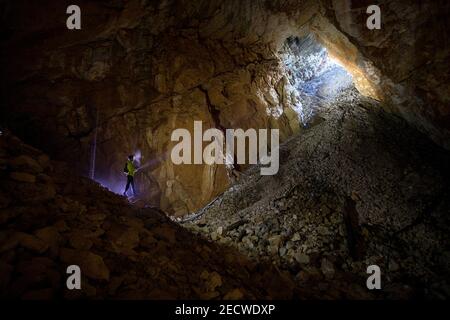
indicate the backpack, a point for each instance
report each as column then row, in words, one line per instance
column 125, row 170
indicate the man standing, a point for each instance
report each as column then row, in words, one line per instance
column 130, row 171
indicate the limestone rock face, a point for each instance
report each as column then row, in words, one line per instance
column 140, row 69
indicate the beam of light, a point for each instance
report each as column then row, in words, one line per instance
column 114, row 185
column 152, row 162
column 138, row 157
column 94, row 149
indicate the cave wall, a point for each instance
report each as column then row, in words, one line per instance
column 148, row 67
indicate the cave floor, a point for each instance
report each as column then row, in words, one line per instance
column 356, row 188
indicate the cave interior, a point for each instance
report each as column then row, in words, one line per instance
column 364, row 127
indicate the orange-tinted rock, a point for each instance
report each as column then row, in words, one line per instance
column 91, row 265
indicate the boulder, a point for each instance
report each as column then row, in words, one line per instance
column 79, row 241
column 23, row 177
column 25, row 163
column 50, row 236
column 296, row 237
column 234, row 294
column 25, row 240
column 302, row 258
column 164, row 232
column 32, row 243
column 212, row 280
column 327, row 268
column 275, row 241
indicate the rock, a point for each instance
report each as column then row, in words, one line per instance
column 289, row 245
column 209, row 295
column 327, row 268
column 91, row 265
column 25, row 240
column 32, row 243
column 393, row 265
column 323, row 231
column 89, row 290
column 36, row 193
column 61, row 204
column 165, row 233
column 9, row 241
column 275, row 241
column 129, row 239
column 114, row 284
column 132, row 222
column 23, row 177
column 45, row 179
column 355, row 197
column 7, row 215
column 44, row 161
column 302, row 276
column 61, row 226
column 296, row 237
column 323, row 286
column 96, row 217
column 212, row 280
column 45, row 262
column 79, row 241
column 302, row 258
column 148, row 241
column 235, row 294
column 50, row 236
